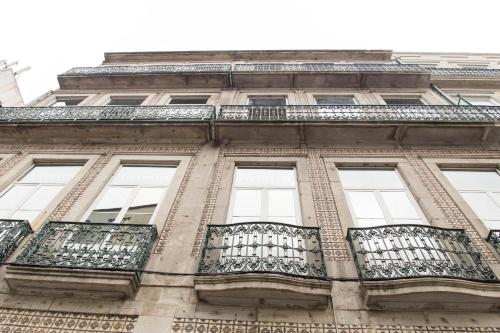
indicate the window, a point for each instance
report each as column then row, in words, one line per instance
column 260, row 194
column 189, row 100
column 327, row 100
column 403, row 101
column 267, row 101
column 132, row 195
column 32, row 192
column 378, row 197
column 481, row 191
column 479, row 100
column 67, row 101
column 126, row 101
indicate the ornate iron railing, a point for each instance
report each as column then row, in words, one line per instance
column 87, row 245
column 378, row 113
column 262, row 247
column 148, row 69
column 465, row 72
column 108, row 113
column 11, row 233
column 328, row 67
column 494, row 239
column 410, row 251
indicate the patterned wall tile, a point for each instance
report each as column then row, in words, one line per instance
column 17, row 320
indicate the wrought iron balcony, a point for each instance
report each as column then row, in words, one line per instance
column 328, row 67
column 413, row 251
column 148, row 69
column 11, row 233
column 107, row 113
column 372, row 113
column 480, row 72
column 262, row 247
column 494, row 239
column 101, row 246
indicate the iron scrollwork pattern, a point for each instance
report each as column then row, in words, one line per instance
column 465, row 72
column 108, row 113
column 148, row 69
column 494, row 239
column 328, row 67
column 408, row 251
column 262, row 247
column 11, row 233
column 384, row 113
column 88, row 245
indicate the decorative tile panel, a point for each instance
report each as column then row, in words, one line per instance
column 192, row 325
column 17, row 320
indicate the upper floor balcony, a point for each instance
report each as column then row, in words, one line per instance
column 91, row 259
column 466, row 77
column 409, row 124
column 267, row 263
column 248, row 75
column 109, row 123
column 422, row 266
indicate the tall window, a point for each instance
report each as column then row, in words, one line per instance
column 269, row 195
column 379, row 197
column 481, row 190
column 27, row 197
column 132, row 195
column 403, row 101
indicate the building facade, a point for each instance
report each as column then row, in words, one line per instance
column 255, row 192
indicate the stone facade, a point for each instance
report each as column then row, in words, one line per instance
column 206, row 152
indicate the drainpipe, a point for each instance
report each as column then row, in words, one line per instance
column 443, row 94
column 460, row 98
column 398, row 61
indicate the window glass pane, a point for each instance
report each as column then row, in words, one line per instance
column 267, row 101
column 480, row 101
column 114, row 198
column 58, row 174
column 402, row 101
column 282, row 219
column 143, row 206
column 144, row 175
column 473, row 180
column 247, row 203
column 483, row 205
column 15, row 195
column 242, row 219
column 188, row 100
column 365, row 205
column 126, row 101
column 41, row 198
column 335, row 101
column 4, row 214
column 247, row 177
column 370, row 179
column 367, row 223
column 399, row 205
column 281, row 203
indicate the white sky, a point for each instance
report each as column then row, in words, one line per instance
column 52, row 36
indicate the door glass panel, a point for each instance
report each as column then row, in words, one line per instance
column 143, row 206
column 110, row 205
column 482, row 205
column 247, row 203
column 365, row 205
column 15, row 195
column 281, row 203
column 42, row 197
column 399, row 205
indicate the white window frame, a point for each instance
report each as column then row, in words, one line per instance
column 378, row 197
column 264, row 196
column 133, row 195
column 249, row 97
column 316, row 96
column 36, row 186
column 181, row 96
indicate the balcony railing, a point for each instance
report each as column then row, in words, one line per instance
column 11, row 233
column 494, row 239
column 411, row 251
column 262, row 247
column 104, row 246
column 328, row 67
column 381, row 113
column 148, row 69
column 108, row 113
column 480, row 72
